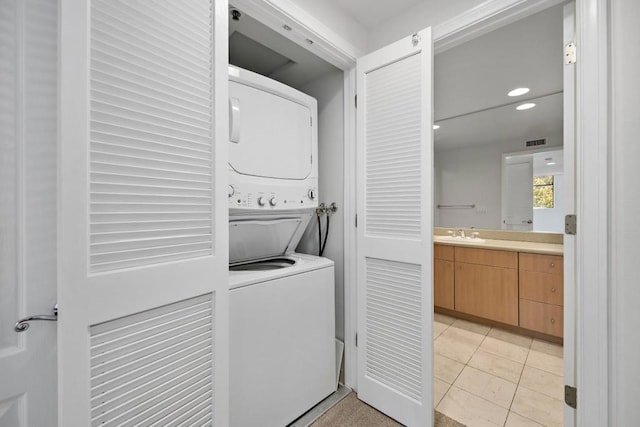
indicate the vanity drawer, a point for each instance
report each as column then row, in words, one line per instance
column 443, row 252
column 551, row 264
column 541, row 317
column 488, row 257
column 541, row 287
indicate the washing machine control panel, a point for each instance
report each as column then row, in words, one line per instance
column 267, row 197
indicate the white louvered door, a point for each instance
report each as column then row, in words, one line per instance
column 395, row 302
column 143, row 252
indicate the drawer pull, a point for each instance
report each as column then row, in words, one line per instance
column 553, row 320
column 553, row 290
column 553, row 264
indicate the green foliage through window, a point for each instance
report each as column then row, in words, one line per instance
column 543, row 191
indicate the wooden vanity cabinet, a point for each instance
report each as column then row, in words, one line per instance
column 486, row 284
column 443, row 288
column 513, row 288
column 541, row 293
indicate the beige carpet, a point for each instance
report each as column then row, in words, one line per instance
column 351, row 412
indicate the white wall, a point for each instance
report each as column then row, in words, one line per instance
column 422, row 15
column 624, row 214
column 472, row 175
column 329, row 93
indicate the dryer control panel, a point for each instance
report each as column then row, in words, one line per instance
column 261, row 196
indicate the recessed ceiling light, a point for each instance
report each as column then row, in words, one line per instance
column 518, row 91
column 436, row 127
column 526, row 106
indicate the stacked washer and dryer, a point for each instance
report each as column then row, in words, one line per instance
column 282, row 347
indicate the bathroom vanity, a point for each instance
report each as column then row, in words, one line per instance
column 517, row 284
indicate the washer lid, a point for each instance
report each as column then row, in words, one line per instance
column 256, row 238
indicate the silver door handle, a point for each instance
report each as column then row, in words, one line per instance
column 23, row 324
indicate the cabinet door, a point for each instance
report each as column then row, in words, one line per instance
column 489, row 292
column 443, row 288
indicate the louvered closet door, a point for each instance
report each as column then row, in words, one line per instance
column 395, row 301
column 143, row 290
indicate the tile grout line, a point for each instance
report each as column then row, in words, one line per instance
column 465, row 365
column 518, row 384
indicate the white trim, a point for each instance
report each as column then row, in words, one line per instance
column 350, row 235
column 569, row 137
column 220, row 63
column 485, row 17
column 326, row 43
column 592, row 91
column 20, row 173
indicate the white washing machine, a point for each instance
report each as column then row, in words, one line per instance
column 282, row 356
column 282, row 321
column 282, row 305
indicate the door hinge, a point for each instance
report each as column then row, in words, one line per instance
column 571, row 396
column 570, row 54
column 355, row 100
column 356, row 220
column 571, row 224
column 356, row 339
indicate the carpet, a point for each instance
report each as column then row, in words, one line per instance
column 351, row 412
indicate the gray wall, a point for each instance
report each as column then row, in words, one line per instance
column 473, row 175
column 624, row 187
column 329, row 93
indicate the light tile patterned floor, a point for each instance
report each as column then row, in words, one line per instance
column 490, row 377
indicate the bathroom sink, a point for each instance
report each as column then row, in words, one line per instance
column 458, row 239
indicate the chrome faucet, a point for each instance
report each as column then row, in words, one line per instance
column 461, row 233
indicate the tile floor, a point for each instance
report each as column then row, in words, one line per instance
column 485, row 376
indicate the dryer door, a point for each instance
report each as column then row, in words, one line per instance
column 270, row 136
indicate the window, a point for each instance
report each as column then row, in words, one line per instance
column 543, row 195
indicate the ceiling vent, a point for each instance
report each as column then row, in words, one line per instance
column 536, row 142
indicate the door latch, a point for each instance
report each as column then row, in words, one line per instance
column 23, row 324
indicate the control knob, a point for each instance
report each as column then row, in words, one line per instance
column 261, row 201
column 273, row 201
column 232, row 191
column 311, row 194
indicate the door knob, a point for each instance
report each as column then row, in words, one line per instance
column 23, row 324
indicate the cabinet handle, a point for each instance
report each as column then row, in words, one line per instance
column 553, row 320
column 553, row 264
column 553, row 290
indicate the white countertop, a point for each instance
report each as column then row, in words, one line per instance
column 504, row 245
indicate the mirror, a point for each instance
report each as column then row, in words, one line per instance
column 487, row 150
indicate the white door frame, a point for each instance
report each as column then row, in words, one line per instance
column 592, row 130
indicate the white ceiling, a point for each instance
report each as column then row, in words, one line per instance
column 502, row 124
column 370, row 13
column 471, row 82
